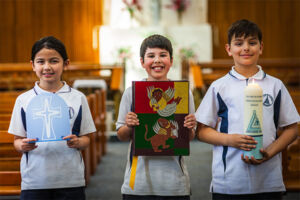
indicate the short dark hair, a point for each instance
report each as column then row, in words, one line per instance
column 156, row 41
column 49, row 42
column 244, row 28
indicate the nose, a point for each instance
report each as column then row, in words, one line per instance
column 246, row 47
column 47, row 66
column 156, row 59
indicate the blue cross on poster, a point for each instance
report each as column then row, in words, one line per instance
column 47, row 118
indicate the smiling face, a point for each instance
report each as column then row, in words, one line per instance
column 157, row 63
column 48, row 65
column 245, row 51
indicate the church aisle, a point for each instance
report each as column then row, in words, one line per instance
column 106, row 183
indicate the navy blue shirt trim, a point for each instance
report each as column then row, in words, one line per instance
column 277, row 109
column 77, row 123
column 23, row 116
column 223, row 113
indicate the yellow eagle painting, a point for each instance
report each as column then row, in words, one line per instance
column 160, row 100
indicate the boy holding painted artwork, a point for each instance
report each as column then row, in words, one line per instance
column 220, row 122
column 156, row 177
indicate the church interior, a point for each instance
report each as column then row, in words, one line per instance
column 103, row 37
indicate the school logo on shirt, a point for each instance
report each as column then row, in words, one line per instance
column 267, row 100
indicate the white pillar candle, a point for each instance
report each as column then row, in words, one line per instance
column 253, row 117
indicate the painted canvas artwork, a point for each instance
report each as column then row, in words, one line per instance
column 161, row 107
column 47, row 118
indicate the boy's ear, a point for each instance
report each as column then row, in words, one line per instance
column 32, row 65
column 66, row 64
column 227, row 47
column 261, row 47
column 142, row 61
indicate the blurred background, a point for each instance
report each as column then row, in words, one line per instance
column 103, row 37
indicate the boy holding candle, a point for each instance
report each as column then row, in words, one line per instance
column 233, row 175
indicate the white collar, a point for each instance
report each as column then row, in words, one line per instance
column 258, row 76
column 64, row 89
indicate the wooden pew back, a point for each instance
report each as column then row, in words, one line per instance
column 19, row 76
column 287, row 70
column 10, row 183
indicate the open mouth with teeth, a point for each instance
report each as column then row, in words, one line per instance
column 157, row 68
column 48, row 74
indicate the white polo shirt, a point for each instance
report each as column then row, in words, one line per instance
column 155, row 175
column 53, row 164
column 225, row 99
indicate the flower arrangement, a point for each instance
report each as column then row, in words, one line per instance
column 131, row 6
column 187, row 53
column 179, row 6
column 124, row 53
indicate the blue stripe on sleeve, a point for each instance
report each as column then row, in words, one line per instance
column 277, row 109
column 23, row 116
column 223, row 113
column 77, row 123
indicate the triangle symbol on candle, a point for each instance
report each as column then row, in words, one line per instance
column 254, row 125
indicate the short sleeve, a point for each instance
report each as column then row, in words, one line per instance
column 191, row 103
column 288, row 112
column 125, row 107
column 16, row 126
column 87, row 123
column 207, row 110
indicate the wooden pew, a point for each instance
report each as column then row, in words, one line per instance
column 291, row 165
column 10, row 178
column 295, row 94
column 287, row 70
column 92, row 147
column 6, row 108
column 97, row 123
column 9, row 157
column 19, row 76
column 5, row 117
column 10, row 183
column 4, row 125
column 101, row 117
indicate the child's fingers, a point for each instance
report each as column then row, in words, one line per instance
column 29, row 140
column 249, row 139
column 26, row 146
column 190, row 121
column 246, row 147
column 245, row 159
column 69, row 137
column 189, row 125
column 131, row 119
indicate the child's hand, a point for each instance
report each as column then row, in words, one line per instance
column 72, row 141
column 190, row 121
column 131, row 119
column 240, row 141
column 25, row 146
column 253, row 161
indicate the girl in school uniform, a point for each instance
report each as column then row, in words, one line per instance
column 52, row 170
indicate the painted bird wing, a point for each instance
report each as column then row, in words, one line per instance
column 169, row 94
column 175, row 131
column 149, row 91
column 156, row 127
column 168, row 110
